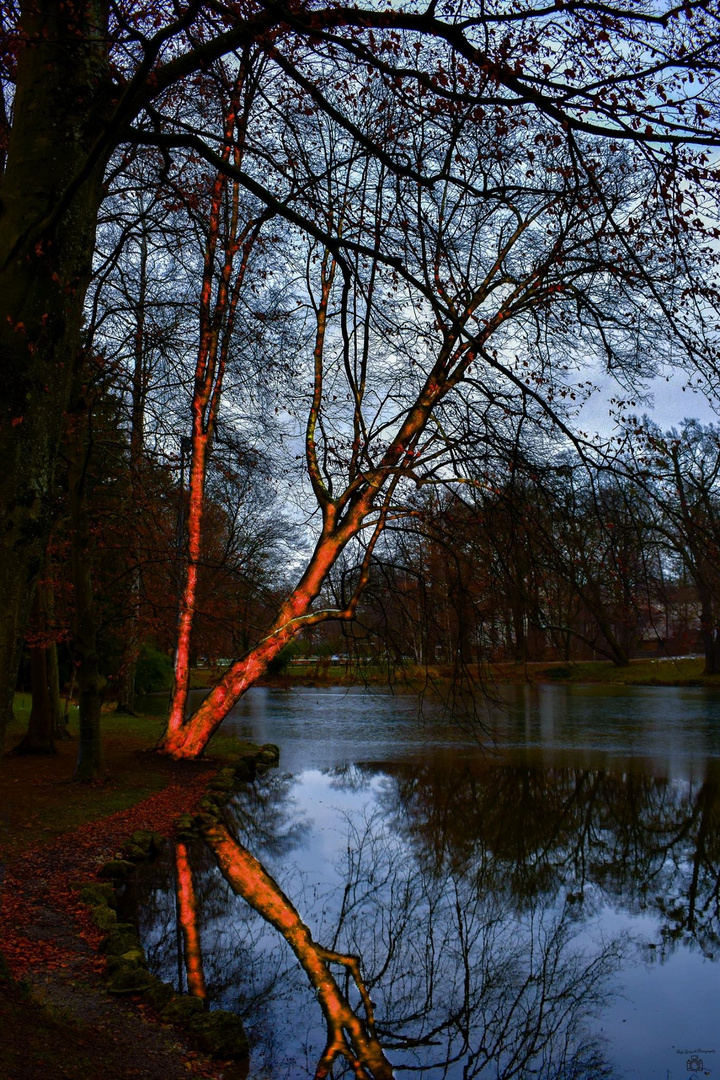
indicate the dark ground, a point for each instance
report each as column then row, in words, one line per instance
column 56, row 1018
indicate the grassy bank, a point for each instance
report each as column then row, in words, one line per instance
column 40, row 802
column 59, row 1021
column 645, row 672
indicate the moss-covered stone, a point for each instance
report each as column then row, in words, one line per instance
column 273, row 749
column 152, row 841
column 182, row 1008
column 134, row 852
column 129, row 979
column 130, row 958
column 98, row 892
column 142, row 844
column 119, row 941
column 209, row 804
column 220, row 1034
column 245, row 769
column 222, row 783
column 266, row 759
column 205, row 821
column 116, row 869
column 104, row 917
column 185, row 827
column 134, row 956
column 158, row 994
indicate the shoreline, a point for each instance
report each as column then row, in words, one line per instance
column 660, row 671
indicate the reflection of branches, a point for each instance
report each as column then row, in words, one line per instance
column 265, row 818
column 348, row 1035
column 462, row 983
column 531, row 832
column 455, row 977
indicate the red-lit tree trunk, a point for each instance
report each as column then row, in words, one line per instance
column 188, row 913
column 217, row 322
column 348, row 1035
column 343, row 519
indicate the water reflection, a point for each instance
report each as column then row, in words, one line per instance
column 492, row 909
column 670, row 731
column 526, row 834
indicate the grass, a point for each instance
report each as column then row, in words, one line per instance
column 39, row 799
column 646, row 672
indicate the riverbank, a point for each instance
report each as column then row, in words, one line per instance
column 670, row 671
column 56, row 1017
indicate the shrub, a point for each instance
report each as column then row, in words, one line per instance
column 154, row 671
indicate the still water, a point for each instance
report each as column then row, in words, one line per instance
column 542, row 903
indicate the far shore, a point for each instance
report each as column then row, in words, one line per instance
column 660, row 671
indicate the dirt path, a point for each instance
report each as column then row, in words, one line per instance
column 66, row 1025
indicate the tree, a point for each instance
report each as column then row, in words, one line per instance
column 679, row 472
column 45, row 708
column 113, row 75
column 232, row 234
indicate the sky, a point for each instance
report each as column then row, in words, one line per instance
column 668, row 403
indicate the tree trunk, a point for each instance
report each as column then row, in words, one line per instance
column 59, row 721
column 47, row 227
column 181, row 681
column 519, row 643
column 39, row 738
column 349, row 1036
column 707, row 630
column 60, row 730
column 89, row 761
column 189, row 922
column 131, row 643
column 189, row 739
column 126, row 679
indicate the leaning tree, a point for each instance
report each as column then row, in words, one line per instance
column 606, row 113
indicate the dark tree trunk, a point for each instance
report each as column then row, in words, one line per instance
column 519, row 643
column 48, row 209
column 90, row 683
column 59, row 724
column 126, row 680
column 131, row 644
column 707, row 632
column 39, row 738
column 60, row 730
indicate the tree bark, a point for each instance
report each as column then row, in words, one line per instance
column 60, row 730
column 90, row 760
column 189, row 739
column 131, row 641
column 707, row 631
column 48, row 210
column 59, row 724
column 39, row 737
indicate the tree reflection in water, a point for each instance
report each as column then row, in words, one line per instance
column 469, row 897
column 632, row 840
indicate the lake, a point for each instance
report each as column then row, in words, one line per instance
column 535, row 893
